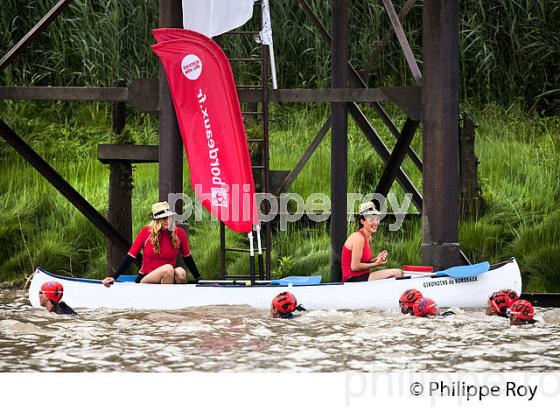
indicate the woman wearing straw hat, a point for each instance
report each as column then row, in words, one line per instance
column 357, row 252
column 160, row 243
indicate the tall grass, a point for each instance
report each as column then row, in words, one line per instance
column 295, row 128
column 509, row 49
column 518, row 154
column 91, row 43
column 509, row 58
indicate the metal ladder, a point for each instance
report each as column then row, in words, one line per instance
column 253, row 115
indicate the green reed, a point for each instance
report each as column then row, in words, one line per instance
column 509, row 49
column 38, row 227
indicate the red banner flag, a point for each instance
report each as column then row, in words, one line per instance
column 210, row 121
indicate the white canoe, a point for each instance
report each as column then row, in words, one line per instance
column 384, row 294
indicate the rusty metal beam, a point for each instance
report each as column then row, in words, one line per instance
column 403, row 41
column 108, row 94
column 58, row 182
column 384, row 153
column 331, row 95
column 403, row 12
column 109, row 153
column 357, row 81
column 37, row 29
column 142, row 95
column 119, row 211
column 339, row 136
column 291, row 177
column 440, row 112
column 397, row 156
column 171, row 144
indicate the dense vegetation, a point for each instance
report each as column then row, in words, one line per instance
column 509, row 49
column 518, row 154
column 510, row 77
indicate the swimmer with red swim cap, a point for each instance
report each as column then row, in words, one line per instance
column 407, row 299
column 284, row 305
column 521, row 313
column 426, row 307
column 413, row 303
column 511, row 293
column 499, row 304
column 50, row 297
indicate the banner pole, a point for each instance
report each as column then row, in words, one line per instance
column 252, row 257
column 259, row 247
column 259, row 243
column 266, row 39
column 273, row 66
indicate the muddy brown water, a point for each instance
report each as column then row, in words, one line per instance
column 234, row 339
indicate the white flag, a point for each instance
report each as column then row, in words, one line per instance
column 266, row 32
column 214, row 17
column 266, row 39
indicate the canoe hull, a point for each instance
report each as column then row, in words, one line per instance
column 383, row 294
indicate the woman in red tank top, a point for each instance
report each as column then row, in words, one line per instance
column 357, row 252
column 160, row 244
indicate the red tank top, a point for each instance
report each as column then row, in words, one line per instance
column 346, row 261
column 167, row 253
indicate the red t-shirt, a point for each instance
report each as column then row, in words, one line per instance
column 167, row 253
column 346, row 261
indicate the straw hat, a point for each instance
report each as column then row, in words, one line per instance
column 161, row 210
column 368, row 208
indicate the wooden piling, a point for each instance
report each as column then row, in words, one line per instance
column 119, row 213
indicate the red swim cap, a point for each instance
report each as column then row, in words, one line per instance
column 425, row 307
column 522, row 309
column 500, row 302
column 53, row 291
column 284, row 303
column 511, row 293
column 410, row 296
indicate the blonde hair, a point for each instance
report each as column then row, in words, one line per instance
column 155, row 228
